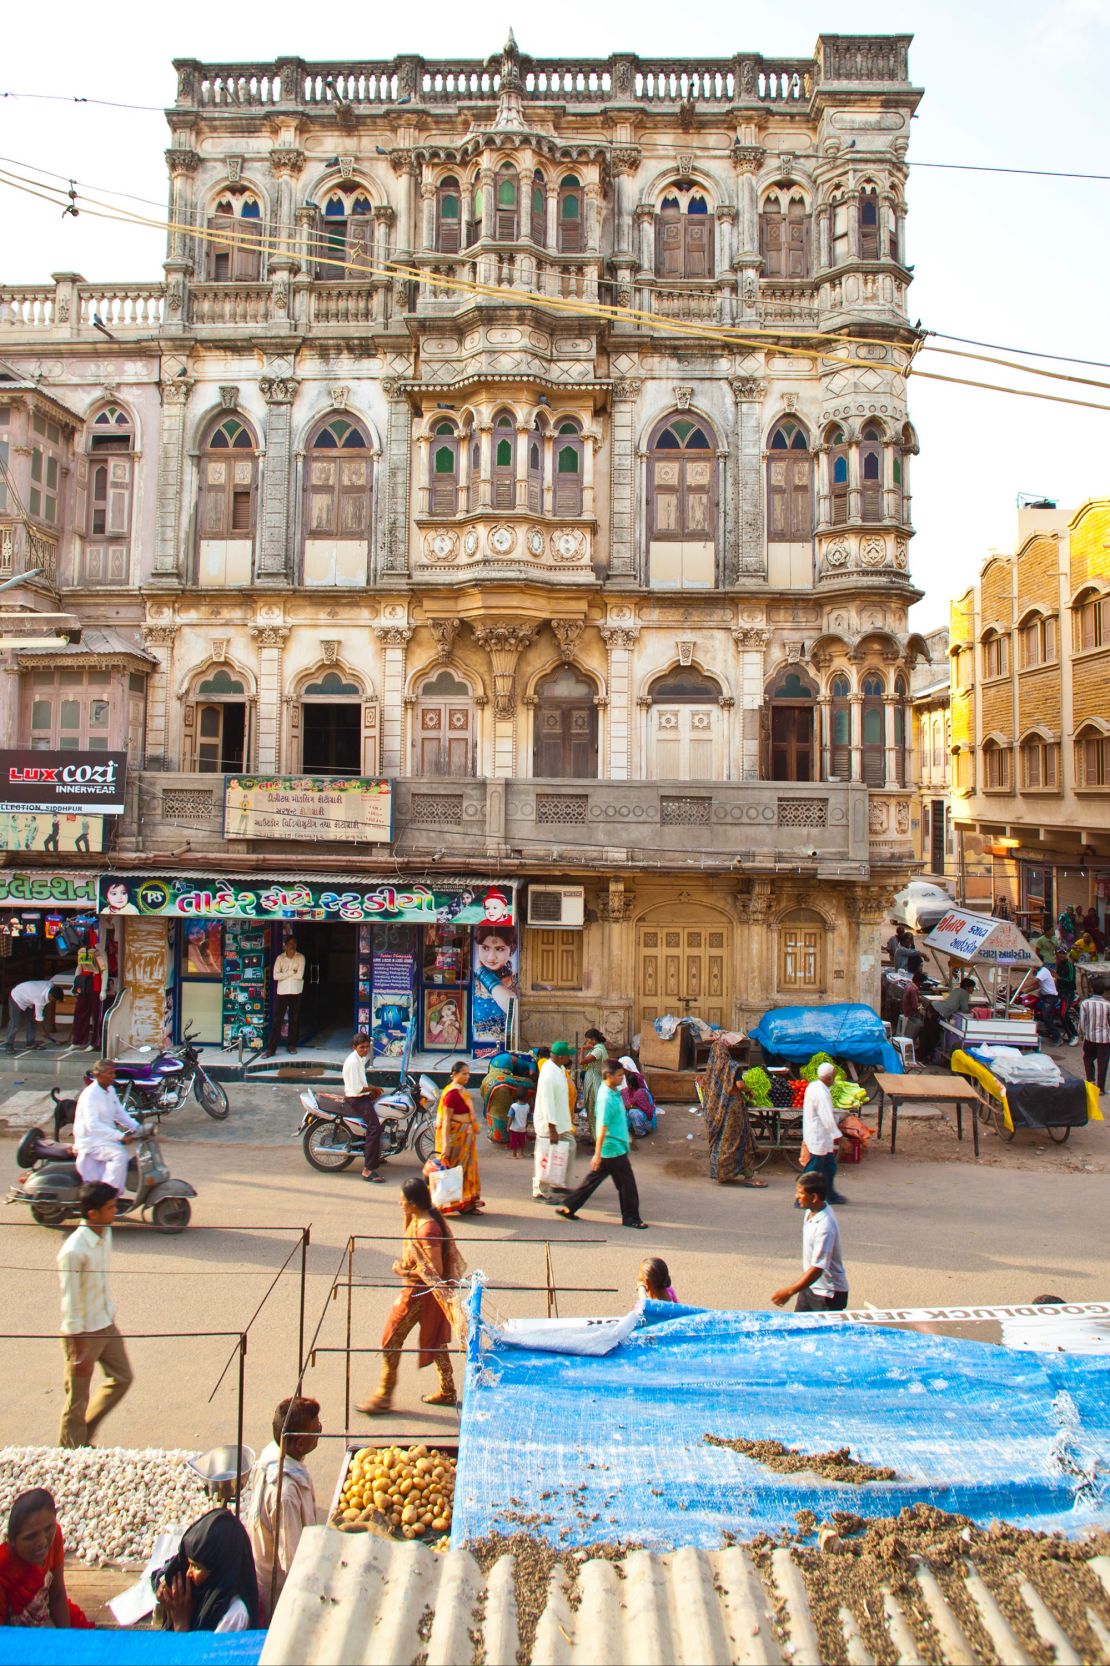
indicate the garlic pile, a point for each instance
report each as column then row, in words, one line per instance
column 111, row 1502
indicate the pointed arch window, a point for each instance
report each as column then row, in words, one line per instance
column 874, row 736
column 571, row 237
column 443, row 740
column 346, row 237
column 789, row 741
column 684, row 233
column 448, row 216
column 111, row 439
column 869, row 215
column 802, row 936
column 871, row 472
column 229, row 468
column 235, row 237
column 686, row 735
column 838, row 476
column 565, row 740
column 840, row 727
column 568, row 469
column 337, row 518
column 539, row 209
column 504, row 461
column 477, row 209
column 789, row 484
column 507, row 201
column 784, row 235
column 216, row 724
column 331, row 714
column 444, row 492
column 682, row 503
column 536, row 442
column 901, row 731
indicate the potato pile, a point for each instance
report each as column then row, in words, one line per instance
column 408, row 1490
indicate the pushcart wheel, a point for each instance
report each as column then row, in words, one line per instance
column 1060, row 1136
column 1000, row 1125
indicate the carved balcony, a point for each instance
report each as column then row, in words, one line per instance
column 504, row 545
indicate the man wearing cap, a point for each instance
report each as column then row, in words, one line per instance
column 821, row 1130
column 553, row 1121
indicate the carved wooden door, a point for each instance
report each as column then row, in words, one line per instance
column 683, row 968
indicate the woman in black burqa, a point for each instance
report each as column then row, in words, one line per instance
column 210, row 1585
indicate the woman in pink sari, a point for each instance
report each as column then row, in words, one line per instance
column 457, row 1140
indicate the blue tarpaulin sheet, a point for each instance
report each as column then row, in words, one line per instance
column 847, row 1031
column 19, row 1647
column 584, row 1450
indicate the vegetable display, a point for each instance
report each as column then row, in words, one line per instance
column 408, row 1491
column 757, row 1085
column 809, row 1071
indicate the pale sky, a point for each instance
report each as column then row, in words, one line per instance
column 1016, row 261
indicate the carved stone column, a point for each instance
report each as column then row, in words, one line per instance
column 504, row 642
column 394, row 556
column 272, row 564
column 855, row 704
column 751, row 642
column 179, row 266
column 644, row 216
column 747, row 557
column 623, row 162
column 747, row 160
column 620, row 640
column 161, row 747
column 271, row 638
column 394, row 640
column 168, row 545
column 622, row 485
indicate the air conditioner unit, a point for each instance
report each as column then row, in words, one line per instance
column 562, row 906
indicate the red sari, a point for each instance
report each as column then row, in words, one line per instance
column 25, row 1588
column 457, row 1146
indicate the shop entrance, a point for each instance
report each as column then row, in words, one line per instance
column 327, row 1017
column 683, row 968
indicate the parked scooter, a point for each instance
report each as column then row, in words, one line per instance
column 161, row 1082
column 51, row 1184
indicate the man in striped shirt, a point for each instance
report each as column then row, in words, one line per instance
column 1094, row 1031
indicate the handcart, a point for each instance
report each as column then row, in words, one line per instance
column 1007, row 1107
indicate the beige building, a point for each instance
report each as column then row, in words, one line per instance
column 934, row 840
column 531, row 435
column 1030, row 651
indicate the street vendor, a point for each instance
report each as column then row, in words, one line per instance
column 429, row 1269
column 32, row 1567
column 273, row 1540
column 957, row 1000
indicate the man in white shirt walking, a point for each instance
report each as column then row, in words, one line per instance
column 358, row 1098
column 32, row 1004
column 100, row 1127
column 820, row 1129
column 89, row 1334
column 553, row 1123
column 288, row 987
column 823, row 1286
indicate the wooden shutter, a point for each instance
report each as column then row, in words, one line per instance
column 701, row 733
column 246, row 256
column 504, row 473
column 353, row 496
column 444, row 480
column 669, row 246
column 800, row 497
column 778, row 500
column 548, row 751
column 360, row 247
column 221, row 228
column 539, row 216
column 797, row 242
column 321, row 494
column 667, row 743
column 217, row 491
column 568, row 481
column 697, row 496
column 699, row 246
column 119, row 496
column 535, row 476
column 771, row 244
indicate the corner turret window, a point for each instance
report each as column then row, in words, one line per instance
column 235, row 237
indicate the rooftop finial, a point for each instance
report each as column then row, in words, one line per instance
column 509, row 112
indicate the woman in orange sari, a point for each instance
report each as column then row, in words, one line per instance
column 32, row 1567
column 429, row 1269
column 457, row 1139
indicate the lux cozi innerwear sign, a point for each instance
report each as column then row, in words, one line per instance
column 91, row 781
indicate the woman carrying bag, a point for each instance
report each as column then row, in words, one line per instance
column 457, row 1143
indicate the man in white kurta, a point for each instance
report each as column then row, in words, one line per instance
column 554, row 1123
column 99, row 1125
column 820, row 1128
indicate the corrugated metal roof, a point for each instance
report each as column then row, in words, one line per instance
column 365, row 1601
column 96, row 644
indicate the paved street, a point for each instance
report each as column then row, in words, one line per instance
column 928, row 1226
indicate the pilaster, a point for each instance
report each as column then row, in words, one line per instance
column 620, row 641
column 270, row 638
column 504, row 642
column 160, row 749
column 747, row 555
column 622, row 503
column 176, row 389
column 395, row 528
column 278, row 389
column 751, row 643
column 393, row 639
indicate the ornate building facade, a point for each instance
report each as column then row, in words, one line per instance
column 531, row 435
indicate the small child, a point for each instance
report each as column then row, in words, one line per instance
column 654, row 1279
column 519, row 1112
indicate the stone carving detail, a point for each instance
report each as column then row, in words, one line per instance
column 442, row 545
column 567, row 633
column 568, row 545
column 436, row 810
column 683, row 397
column 445, row 632
column 504, row 643
column 687, row 811
column 878, row 816
column 339, row 396
column 470, row 542
column 234, row 169
column 217, row 649
column 562, row 809
column 619, row 636
column 624, row 159
column 747, row 159
column 901, row 554
column 627, row 388
column 616, row 904
column 901, row 815
column 803, row 812
column 393, row 636
column 182, row 161
column 269, row 636
column 535, row 541
column 687, row 162
column 837, row 554
column 685, row 650
column 794, row 651
column 502, row 539
column 751, row 636
column 746, row 387
column 229, row 394
column 277, row 390
column 185, row 804
column 872, row 552
column 159, row 636
column 329, row 648
column 285, row 161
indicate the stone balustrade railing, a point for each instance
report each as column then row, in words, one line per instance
column 76, row 310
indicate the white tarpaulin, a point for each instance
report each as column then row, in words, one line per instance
column 976, row 938
column 568, row 1336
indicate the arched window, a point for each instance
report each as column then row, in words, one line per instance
column 448, row 215
column 1037, row 640
column 686, row 736
column 443, row 738
column 1090, row 620
column 996, row 767
column 228, row 489
column 784, row 235
column 901, row 695
column 788, row 749
column 571, row 235
column 869, row 246
column 565, row 739
column 508, row 204
column 1092, row 757
column 996, row 654
column 801, row 952
column 838, row 476
column 789, row 485
column 477, row 208
column 684, row 233
column 682, row 505
column 874, row 731
column 568, row 469
column 539, row 209
column 444, row 494
column 1040, row 764
column 235, row 237
column 504, row 461
column 331, row 721
column 216, row 724
column 840, row 727
column 871, row 472
column 337, row 518
column 839, row 225
column 346, row 236
column 111, row 439
column 536, row 442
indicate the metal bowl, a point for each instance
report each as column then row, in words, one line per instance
column 220, row 1469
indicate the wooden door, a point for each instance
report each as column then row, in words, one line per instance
column 791, row 743
column 566, row 740
column 669, row 244
column 698, row 246
column 679, row 963
column 444, row 737
column 684, row 742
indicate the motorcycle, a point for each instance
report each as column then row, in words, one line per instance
column 51, row 1184
column 162, row 1083
column 1055, row 1025
column 332, row 1139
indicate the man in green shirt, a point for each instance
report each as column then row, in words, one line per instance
column 610, row 1159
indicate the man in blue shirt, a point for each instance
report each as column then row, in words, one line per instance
column 610, row 1159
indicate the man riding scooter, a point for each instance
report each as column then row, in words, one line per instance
column 97, row 1124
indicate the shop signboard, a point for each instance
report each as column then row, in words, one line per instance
column 393, row 977
column 977, row 938
column 49, row 890
column 79, row 781
column 373, row 901
column 321, row 808
column 51, row 831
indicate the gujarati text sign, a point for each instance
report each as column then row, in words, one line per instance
column 321, row 808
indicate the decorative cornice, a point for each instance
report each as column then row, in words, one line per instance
column 747, row 159
column 746, row 387
column 268, row 636
column 750, row 636
column 177, row 390
column 627, row 389
column 625, row 159
column 393, row 636
column 619, row 636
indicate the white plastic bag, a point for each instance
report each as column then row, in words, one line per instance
column 553, row 1167
column 446, row 1187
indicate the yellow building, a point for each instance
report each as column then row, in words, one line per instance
column 1030, row 656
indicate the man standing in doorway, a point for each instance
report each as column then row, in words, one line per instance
column 610, row 1159
column 89, row 1333
column 553, row 1121
column 1094, row 1032
column 823, row 1286
column 820, row 1129
column 359, row 1097
column 289, row 986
